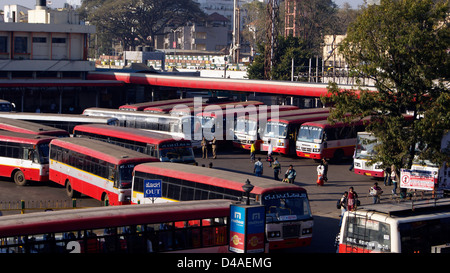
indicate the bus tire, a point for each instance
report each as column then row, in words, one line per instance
column 71, row 193
column 19, row 178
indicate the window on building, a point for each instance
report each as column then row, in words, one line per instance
column 59, row 40
column 20, row 44
column 39, row 40
column 3, row 44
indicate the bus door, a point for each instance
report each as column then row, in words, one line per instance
column 292, row 138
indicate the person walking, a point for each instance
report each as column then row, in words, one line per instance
column 276, row 169
column 375, row 192
column 291, row 174
column 352, row 199
column 252, row 152
column 387, row 176
column 325, row 170
column 214, row 147
column 204, row 144
column 343, row 206
column 258, row 168
column 320, row 170
column 394, row 178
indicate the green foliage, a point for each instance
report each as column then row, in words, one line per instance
column 288, row 48
column 136, row 22
column 402, row 46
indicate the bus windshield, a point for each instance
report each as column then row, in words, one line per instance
column 43, row 152
column 310, row 134
column 126, row 175
column 175, row 154
column 276, row 129
column 367, row 234
column 365, row 146
column 286, row 206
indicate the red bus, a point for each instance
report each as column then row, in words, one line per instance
column 100, row 170
column 282, row 132
column 27, row 127
column 24, row 157
column 289, row 220
column 223, row 129
column 158, row 145
column 250, row 129
column 184, row 227
column 141, row 106
column 321, row 139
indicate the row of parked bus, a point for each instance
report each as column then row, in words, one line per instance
column 111, row 164
column 286, row 129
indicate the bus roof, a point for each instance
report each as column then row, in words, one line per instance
column 27, row 127
column 24, row 138
column 301, row 118
column 216, row 177
column 105, row 151
column 120, row 113
column 57, row 117
column 408, row 208
column 126, row 133
column 141, row 106
column 326, row 123
column 110, row 216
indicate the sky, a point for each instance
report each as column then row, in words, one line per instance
column 60, row 3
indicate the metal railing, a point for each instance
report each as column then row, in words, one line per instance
column 11, row 207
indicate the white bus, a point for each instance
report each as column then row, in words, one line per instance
column 364, row 151
column 179, row 127
column 407, row 227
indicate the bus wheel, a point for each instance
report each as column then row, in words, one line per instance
column 19, row 178
column 71, row 193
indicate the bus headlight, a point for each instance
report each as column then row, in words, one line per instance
column 306, row 231
column 316, row 150
column 274, row 234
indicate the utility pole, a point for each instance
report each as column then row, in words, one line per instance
column 272, row 9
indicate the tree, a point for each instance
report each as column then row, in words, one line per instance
column 403, row 46
column 288, row 48
column 136, row 22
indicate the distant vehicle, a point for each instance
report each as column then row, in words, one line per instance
column 26, row 127
column 183, row 127
column 24, row 157
column 282, row 132
column 6, row 106
column 158, row 145
column 62, row 121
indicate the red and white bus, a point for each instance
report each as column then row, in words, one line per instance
column 289, row 220
column 321, row 139
column 282, row 132
column 26, row 127
column 100, row 170
column 250, row 129
column 141, row 106
column 24, row 157
column 406, row 227
column 158, row 145
column 184, row 227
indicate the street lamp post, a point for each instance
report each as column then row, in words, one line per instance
column 247, row 187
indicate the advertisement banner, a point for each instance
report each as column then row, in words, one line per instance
column 247, row 229
column 417, row 179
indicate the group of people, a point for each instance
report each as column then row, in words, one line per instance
column 205, row 144
column 289, row 175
